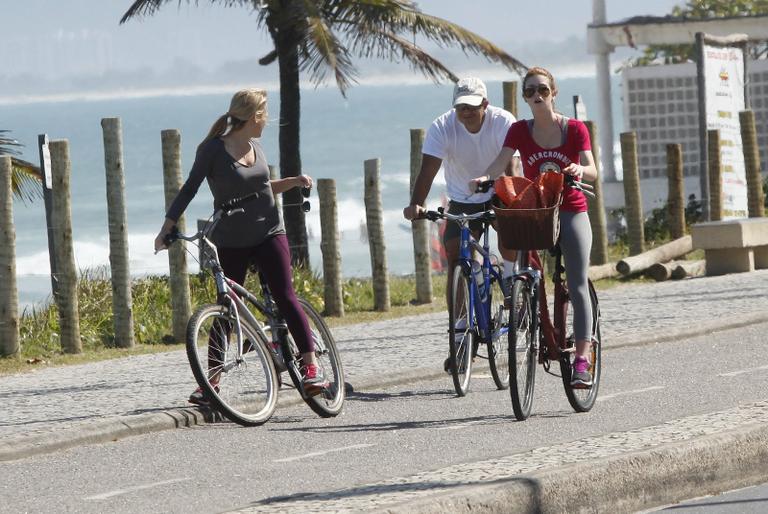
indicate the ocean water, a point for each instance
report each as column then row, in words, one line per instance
column 337, row 136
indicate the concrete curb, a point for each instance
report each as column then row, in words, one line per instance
column 20, row 447
column 127, row 426
column 626, row 483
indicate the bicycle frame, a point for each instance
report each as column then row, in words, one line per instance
column 467, row 245
column 229, row 293
column 557, row 342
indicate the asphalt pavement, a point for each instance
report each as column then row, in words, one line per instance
column 55, row 408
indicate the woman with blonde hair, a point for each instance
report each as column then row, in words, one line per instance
column 232, row 161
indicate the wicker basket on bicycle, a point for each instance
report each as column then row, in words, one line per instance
column 528, row 212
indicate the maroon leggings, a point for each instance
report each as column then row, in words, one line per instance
column 273, row 259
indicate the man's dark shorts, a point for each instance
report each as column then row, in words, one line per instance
column 452, row 230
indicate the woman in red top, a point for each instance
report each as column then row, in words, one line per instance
column 550, row 142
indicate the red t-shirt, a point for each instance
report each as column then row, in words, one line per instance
column 536, row 159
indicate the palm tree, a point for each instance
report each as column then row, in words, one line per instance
column 26, row 178
column 320, row 37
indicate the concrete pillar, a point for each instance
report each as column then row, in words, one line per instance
column 604, row 110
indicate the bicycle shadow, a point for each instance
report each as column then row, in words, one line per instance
column 370, row 396
column 436, row 424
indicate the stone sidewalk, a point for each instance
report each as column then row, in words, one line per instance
column 54, row 408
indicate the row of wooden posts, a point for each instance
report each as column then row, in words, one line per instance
column 64, row 276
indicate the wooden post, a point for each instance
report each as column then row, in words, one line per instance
column 375, row 223
column 9, row 294
column 66, row 276
column 122, row 300
column 676, row 191
column 715, row 174
column 329, row 247
column 177, row 258
column 420, row 229
column 45, row 170
column 596, row 207
column 632, row 197
column 509, row 89
column 755, row 196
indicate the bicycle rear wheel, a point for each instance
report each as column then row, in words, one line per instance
column 330, row 401
column 522, row 350
column 461, row 336
column 498, row 354
column 245, row 389
column 582, row 400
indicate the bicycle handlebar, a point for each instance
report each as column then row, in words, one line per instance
column 440, row 213
column 570, row 181
column 485, row 186
column 234, row 203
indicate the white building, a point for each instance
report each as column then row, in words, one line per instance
column 661, row 106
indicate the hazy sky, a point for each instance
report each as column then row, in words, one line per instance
column 57, row 38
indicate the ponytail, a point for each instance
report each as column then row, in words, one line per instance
column 245, row 104
column 225, row 124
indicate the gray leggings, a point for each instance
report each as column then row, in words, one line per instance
column 576, row 243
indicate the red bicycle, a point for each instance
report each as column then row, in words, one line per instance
column 534, row 338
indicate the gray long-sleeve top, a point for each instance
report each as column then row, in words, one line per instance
column 229, row 179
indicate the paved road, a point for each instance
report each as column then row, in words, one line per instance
column 70, row 406
column 406, row 442
column 751, row 500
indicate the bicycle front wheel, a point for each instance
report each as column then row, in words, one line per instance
column 243, row 388
column 461, row 336
column 582, row 400
column 522, row 350
column 498, row 355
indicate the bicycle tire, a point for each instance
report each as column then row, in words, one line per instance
column 461, row 341
column 582, row 400
column 523, row 351
column 498, row 352
column 246, row 391
column 330, row 401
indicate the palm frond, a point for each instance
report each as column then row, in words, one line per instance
column 26, row 180
column 395, row 47
column 322, row 51
column 366, row 22
column 25, row 177
column 141, row 8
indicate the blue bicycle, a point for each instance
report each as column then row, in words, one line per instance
column 476, row 312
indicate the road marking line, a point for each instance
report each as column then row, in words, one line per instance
column 127, row 490
column 625, row 393
column 324, row 452
column 742, row 371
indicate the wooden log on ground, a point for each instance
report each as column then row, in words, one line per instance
column 689, row 269
column 664, row 253
column 607, row 270
column 660, row 271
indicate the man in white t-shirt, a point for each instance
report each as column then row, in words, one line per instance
column 463, row 141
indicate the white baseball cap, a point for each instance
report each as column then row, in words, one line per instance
column 469, row 91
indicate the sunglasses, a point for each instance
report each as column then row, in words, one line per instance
column 542, row 89
column 470, row 108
